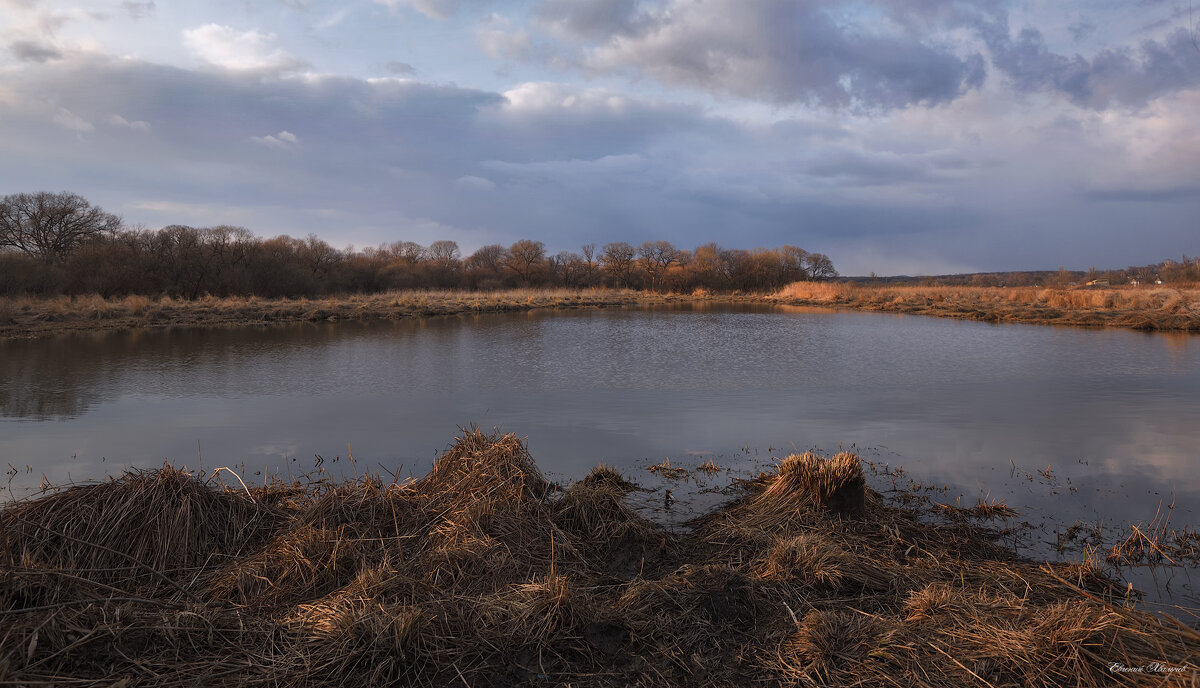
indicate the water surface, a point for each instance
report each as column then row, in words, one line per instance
column 1061, row 423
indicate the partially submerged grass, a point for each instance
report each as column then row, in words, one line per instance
column 482, row 573
column 983, row 509
column 1156, row 543
column 1143, row 308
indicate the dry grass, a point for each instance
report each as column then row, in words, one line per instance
column 1156, row 543
column 481, row 573
column 29, row 316
column 1143, row 308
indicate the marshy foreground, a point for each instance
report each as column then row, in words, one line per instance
column 483, row 573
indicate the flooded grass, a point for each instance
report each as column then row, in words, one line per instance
column 1142, row 308
column 483, row 573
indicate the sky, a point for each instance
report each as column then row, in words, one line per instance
column 896, row 136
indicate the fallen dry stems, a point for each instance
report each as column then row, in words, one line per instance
column 482, row 573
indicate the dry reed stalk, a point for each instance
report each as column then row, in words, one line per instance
column 482, row 574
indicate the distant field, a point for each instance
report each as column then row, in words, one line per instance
column 1142, row 308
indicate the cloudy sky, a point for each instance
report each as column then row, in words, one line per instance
column 898, row 136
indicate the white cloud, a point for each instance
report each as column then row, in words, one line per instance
column 437, row 9
column 284, row 139
column 69, row 120
column 547, row 95
column 249, row 51
column 137, row 125
column 500, row 41
column 501, row 44
column 471, row 182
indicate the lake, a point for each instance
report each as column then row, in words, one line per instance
column 1062, row 424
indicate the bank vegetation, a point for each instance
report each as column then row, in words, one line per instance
column 1147, row 307
column 23, row 317
column 484, row 573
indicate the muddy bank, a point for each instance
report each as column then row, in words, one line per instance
column 1150, row 308
column 482, row 573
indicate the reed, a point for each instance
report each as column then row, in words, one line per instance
column 1142, row 307
column 483, row 573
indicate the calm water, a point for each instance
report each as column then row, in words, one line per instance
column 980, row 408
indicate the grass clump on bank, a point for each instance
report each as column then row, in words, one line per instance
column 482, row 573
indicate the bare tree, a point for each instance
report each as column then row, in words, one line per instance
column 820, row 267
column 444, row 253
column 568, row 268
column 589, row 264
column 51, row 225
column 617, row 260
column 656, row 257
column 527, row 260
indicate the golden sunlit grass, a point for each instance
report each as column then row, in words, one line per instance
column 482, row 573
column 1145, row 308
column 1139, row 307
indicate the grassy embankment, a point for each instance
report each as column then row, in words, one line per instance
column 1145, row 308
column 1142, row 308
column 31, row 316
column 481, row 573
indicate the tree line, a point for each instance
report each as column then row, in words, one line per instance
column 60, row 244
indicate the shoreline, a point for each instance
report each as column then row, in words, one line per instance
column 484, row 573
column 1156, row 309
column 29, row 318
column 1149, row 309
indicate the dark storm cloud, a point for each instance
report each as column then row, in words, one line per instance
column 863, row 169
column 778, row 51
column 385, row 159
column 1116, row 76
column 1149, row 196
column 366, row 148
column 1081, row 30
column 834, row 54
column 29, row 51
column 139, row 10
column 593, row 19
column 401, row 68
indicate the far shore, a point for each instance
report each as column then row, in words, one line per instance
column 1150, row 308
column 29, row 317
